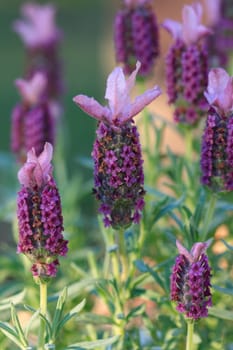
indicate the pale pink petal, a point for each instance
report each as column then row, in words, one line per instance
column 173, row 27
column 220, row 89
column 130, row 82
column 116, row 91
column 192, row 30
column 90, row 106
column 32, row 90
column 25, row 174
column 45, row 159
column 199, row 248
column 183, row 251
column 140, row 102
column 134, row 3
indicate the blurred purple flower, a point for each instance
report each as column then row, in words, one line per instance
column 186, row 65
column 39, row 215
column 136, row 36
column 33, row 120
column 190, row 281
column 118, row 171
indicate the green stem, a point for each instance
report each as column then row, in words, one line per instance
column 43, row 310
column 188, row 143
column 189, row 339
column 209, row 216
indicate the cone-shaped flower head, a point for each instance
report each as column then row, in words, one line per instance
column 217, row 141
column 219, row 15
column 186, row 65
column 41, row 38
column 190, row 281
column 33, row 122
column 117, row 155
column 136, row 36
column 39, row 215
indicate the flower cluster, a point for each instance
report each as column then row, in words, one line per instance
column 217, row 141
column 33, row 122
column 136, row 36
column 39, row 215
column 117, row 153
column 41, row 38
column 190, row 281
column 186, row 65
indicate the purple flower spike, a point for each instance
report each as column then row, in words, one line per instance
column 186, row 65
column 118, row 171
column 39, row 215
column 136, row 36
column 217, row 141
column 33, row 120
column 190, row 281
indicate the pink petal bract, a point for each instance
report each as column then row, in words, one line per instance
column 220, row 89
column 90, row 106
column 36, row 170
column 32, row 90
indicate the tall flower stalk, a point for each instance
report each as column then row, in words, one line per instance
column 187, row 65
column 136, row 36
column 118, row 171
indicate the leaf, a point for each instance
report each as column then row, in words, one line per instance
column 58, row 312
column 223, row 290
column 11, row 333
column 136, row 311
column 169, row 207
column 29, row 325
column 73, row 313
column 15, row 299
column 16, row 323
column 93, row 344
column 221, row 313
column 227, row 244
column 143, row 267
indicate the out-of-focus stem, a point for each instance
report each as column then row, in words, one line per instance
column 189, row 339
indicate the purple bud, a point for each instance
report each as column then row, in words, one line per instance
column 190, row 281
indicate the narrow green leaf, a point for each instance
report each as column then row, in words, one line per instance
column 16, row 323
column 227, row 244
column 169, row 207
column 136, row 311
column 223, row 290
column 58, row 311
column 29, row 325
column 221, row 313
column 94, row 344
column 15, row 299
column 73, row 313
column 11, row 333
column 143, row 267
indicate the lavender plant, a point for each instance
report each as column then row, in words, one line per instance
column 121, row 276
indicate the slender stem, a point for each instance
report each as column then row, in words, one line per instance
column 209, row 216
column 188, row 143
column 123, row 255
column 43, row 310
column 189, row 339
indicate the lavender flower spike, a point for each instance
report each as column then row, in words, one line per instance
column 118, row 171
column 33, row 120
column 39, row 215
column 136, row 36
column 190, row 281
column 186, row 65
column 217, row 140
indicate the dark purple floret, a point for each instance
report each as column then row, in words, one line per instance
column 217, row 154
column 40, row 228
column 136, row 38
column 190, row 286
column 118, row 174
